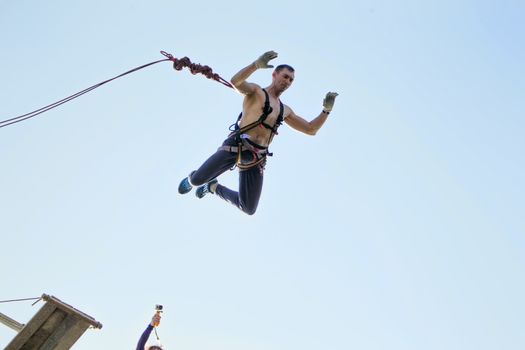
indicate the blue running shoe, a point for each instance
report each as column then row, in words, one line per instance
column 185, row 186
column 205, row 189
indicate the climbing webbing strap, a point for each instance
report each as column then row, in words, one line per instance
column 267, row 109
column 242, row 147
column 248, row 166
column 259, row 153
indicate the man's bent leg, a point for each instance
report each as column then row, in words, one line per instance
column 214, row 166
column 250, row 188
column 218, row 163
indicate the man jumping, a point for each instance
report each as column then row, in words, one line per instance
column 247, row 145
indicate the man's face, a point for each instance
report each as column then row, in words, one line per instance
column 283, row 79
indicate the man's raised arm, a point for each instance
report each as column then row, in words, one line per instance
column 311, row 127
column 239, row 79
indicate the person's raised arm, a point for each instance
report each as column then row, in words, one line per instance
column 311, row 127
column 239, row 79
column 155, row 321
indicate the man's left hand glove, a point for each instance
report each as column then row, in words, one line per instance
column 329, row 100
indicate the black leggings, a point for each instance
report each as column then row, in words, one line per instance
column 250, row 180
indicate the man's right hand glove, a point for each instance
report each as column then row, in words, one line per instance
column 262, row 61
column 329, row 100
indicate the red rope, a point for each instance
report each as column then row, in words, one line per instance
column 195, row 68
column 177, row 64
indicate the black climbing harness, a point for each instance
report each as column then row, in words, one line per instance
column 267, row 109
column 259, row 153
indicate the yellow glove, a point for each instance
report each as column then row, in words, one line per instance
column 329, row 100
column 262, row 61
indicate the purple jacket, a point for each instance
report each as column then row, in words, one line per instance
column 144, row 337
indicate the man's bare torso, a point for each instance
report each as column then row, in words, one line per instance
column 252, row 109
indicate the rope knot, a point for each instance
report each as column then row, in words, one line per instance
column 177, row 64
column 168, row 55
column 195, row 68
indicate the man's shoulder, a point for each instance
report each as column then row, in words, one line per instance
column 248, row 89
column 287, row 110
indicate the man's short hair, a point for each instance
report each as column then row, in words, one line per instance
column 284, row 66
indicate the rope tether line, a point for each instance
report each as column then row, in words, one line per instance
column 15, row 300
column 178, row 64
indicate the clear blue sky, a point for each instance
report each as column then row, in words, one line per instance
column 399, row 226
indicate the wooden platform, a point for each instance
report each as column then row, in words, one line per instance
column 56, row 326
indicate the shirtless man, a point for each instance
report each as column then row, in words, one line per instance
column 247, row 146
